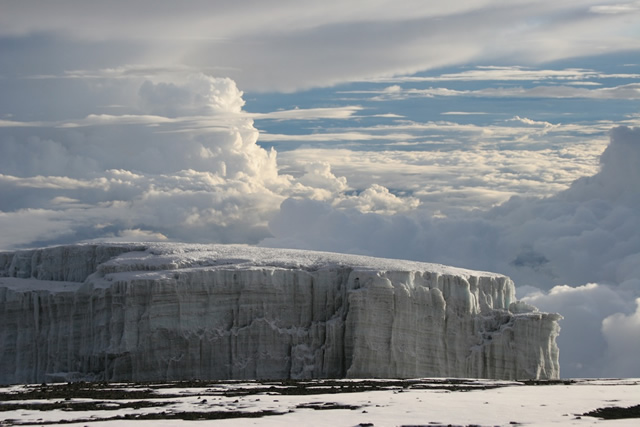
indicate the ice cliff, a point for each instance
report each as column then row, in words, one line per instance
column 172, row 311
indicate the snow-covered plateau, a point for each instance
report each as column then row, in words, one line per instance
column 310, row 403
column 167, row 311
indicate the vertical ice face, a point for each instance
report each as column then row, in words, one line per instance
column 169, row 311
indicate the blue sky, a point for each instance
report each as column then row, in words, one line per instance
column 494, row 135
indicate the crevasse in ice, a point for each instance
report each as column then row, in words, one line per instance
column 167, row 311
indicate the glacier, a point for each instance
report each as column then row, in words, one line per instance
column 170, row 311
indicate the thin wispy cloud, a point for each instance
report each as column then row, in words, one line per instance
column 342, row 136
column 617, row 8
column 346, row 112
column 462, row 113
column 628, row 91
column 512, row 73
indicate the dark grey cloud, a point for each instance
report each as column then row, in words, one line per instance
column 34, row 75
column 285, row 45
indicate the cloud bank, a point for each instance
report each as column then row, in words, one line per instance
column 587, row 236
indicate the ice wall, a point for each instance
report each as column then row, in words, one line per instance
column 169, row 312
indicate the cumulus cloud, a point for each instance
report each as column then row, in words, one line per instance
column 144, row 175
column 146, row 143
column 185, row 166
column 585, row 340
column 198, row 95
column 619, row 173
column 187, row 205
column 318, row 176
column 377, row 199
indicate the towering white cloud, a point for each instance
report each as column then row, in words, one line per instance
column 191, row 170
column 183, row 164
column 198, row 95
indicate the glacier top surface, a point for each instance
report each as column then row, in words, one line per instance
column 127, row 261
column 183, row 255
